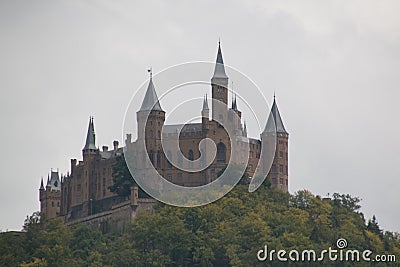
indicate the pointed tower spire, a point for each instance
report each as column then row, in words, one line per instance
column 205, row 103
column 274, row 122
column 41, row 185
column 245, row 129
column 90, row 137
column 48, row 180
column 234, row 103
column 150, row 101
column 219, row 71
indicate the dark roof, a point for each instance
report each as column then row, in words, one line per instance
column 41, row 185
column 150, row 101
column 54, row 182
column 274, row 122
column 219, row 71
column 90, row 137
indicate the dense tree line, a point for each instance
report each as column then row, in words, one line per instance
column 228, row 232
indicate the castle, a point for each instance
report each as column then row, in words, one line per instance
column 83, row 195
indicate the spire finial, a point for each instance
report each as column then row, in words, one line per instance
column 274, row 94
column 150, row 71
column 219, row 41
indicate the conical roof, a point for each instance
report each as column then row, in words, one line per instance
column 150, row 101
column 219, row 71
column 274, row 122
column 90, row 137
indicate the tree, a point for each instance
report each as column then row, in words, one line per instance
column 122, row 178
column 373, row 227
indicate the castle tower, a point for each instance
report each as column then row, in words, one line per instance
column 91, row 155
column 151, row 118
column 278, row 174
column 50, row 197
column 219, row 84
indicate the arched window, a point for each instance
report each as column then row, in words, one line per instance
column 169, row 156
column 159, row 134
column 159, row 159
column 180, row 159
column 151, row 133
column 221, row 153
column 190, row 155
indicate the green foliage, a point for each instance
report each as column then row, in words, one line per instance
column 228, row 232
column 122, row 178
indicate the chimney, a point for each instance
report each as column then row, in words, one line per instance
column 115, row 143
column 128, row 138
column 105, row 148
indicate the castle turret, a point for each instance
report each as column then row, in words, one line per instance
column 219, row 84
column 150, row 119
column 278, row 174
column 50, row 197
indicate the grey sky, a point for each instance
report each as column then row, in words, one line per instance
column 335, row 66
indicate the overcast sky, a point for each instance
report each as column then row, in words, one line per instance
column 335, row 66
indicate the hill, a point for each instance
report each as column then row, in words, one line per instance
column 228, row 232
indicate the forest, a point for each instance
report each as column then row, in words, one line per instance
column 228, row 232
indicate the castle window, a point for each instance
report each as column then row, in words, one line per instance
column 159, row 134
column 78, row 187
column 58, row 204
column 281, row 181
column 159, row 158
column 159, row 123
column 169, row 156
column 52, row 203
column 180, row 176
column 281, row 154
column 190, row 155
column 169, row 177
column 151, row 133
column 221, row 153
column 281, row 168
column 273, row 168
